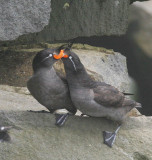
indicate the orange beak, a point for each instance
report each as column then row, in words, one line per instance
column 60, row 55
column 65, row 56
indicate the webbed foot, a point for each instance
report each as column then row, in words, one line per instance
column 109, row 137
column 61, row 119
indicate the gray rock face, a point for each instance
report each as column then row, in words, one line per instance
column 139, row 36
column 35, row 137
column 101, row 64
column 22, row 17
column 141, row 29
column 85, row 18
column 110, row 68
column 68, row 19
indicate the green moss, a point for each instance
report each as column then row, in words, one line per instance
column 41, row 46
column 80, row 46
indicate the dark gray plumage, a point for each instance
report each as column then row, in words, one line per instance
column 4, row 135
column 47, row 86
column 92, row 98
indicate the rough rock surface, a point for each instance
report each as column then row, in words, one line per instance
column 35, row 137
column 132, row 1
column 110, row 67
column 140, row 58
column 136, row 45
column 70, row 19
column 22, row 17
column 140, row 19
column 104, row 65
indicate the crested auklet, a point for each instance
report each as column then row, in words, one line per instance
column 96, row 99
column 47, row 86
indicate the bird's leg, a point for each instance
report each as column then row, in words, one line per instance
column 42, row 111
column 61, row 119
column 109, row 137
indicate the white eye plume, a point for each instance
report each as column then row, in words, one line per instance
column 50, row 55
column 70, row 57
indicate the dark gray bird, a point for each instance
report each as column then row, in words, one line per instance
column 96, row 99
column 4, row 136
column 48, row 87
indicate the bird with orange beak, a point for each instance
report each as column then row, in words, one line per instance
column 47, row 86
column 95, row 99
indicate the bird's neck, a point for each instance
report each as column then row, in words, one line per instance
column 78, row 78
column 43, row 70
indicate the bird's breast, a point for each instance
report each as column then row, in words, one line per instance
column 47, row 90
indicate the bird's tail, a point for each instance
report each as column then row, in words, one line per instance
column 128, row 94
column 138, row 105
column 130, row 104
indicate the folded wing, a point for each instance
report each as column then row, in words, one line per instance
column 108, row 96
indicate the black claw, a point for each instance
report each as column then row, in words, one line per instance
column 109, row 137
column 61, row 119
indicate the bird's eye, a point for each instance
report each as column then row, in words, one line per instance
column 50, row 55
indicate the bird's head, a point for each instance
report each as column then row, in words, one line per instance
column 46, row 58
column 71, row 61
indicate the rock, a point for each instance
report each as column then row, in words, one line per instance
column 34, row 135
column 132, row 1
column 136, row 45
column 140, row 58
column 104, row 65
column 140, row 30
column 68, row 19
column 20, row 90
column 110, row 68
column 22, row 17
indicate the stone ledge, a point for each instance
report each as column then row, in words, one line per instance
column 35, row 136
column 81, row 138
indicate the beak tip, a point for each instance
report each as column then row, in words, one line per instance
column 60, row 55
